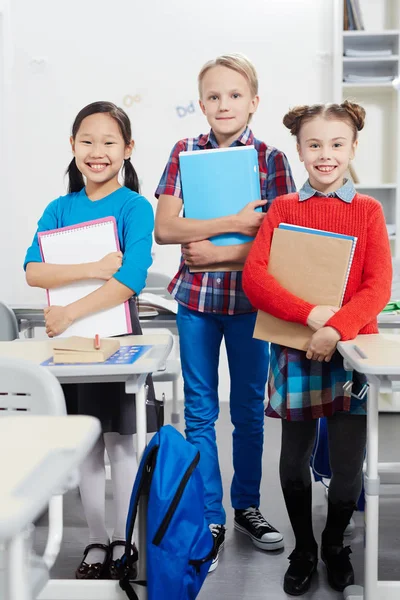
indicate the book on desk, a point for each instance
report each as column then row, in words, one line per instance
column 314, row 265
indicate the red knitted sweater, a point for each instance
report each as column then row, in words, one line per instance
column 369, row 286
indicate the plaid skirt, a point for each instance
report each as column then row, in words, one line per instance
column 301, row 389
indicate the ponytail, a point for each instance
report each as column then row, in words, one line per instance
column 131, row 179
column 75, row 178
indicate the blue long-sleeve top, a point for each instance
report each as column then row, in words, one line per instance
column 135, row 224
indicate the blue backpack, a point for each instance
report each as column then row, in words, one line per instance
column 179, row 544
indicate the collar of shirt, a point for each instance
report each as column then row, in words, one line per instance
column 245, row 139
column 345, row 193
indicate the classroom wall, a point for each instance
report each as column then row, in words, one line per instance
column 144, row 56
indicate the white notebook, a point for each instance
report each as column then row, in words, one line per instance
column 86, row 242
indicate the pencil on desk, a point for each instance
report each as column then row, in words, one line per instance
column 97, row 342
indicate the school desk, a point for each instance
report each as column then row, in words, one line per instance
column 33, row 449
column 378, row 356
column 134, row 376
column 31, row 316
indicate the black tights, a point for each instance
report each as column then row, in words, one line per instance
column 347, row 439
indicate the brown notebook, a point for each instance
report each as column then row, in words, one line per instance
column 78, row 349
column 311, row 266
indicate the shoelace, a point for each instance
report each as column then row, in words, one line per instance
column 215, row 529
column 256, row 518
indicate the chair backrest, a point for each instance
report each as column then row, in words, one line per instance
column 8, row 324
column 26, row 388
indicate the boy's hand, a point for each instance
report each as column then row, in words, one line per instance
column 249, row 221
column 323, row 344
column 320, row 315
column 199, row 254
column 57, row 319
column 107, row 266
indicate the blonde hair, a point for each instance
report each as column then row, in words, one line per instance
column 236, row 62
column 350, row 112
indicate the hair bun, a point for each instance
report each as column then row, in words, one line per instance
column 356, row 112
column 292, row 119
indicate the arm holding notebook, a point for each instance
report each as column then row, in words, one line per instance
column 374, row 292
column 170, row 228
column 262, row 289
column 205, row 253
column 59, row 318
column 48, row 276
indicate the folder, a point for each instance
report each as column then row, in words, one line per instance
column 311, row 264
column 77, row 349
column 218, row 183
column 85, row 242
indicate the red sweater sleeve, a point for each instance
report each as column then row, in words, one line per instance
column 262, row 289
column 375, row 289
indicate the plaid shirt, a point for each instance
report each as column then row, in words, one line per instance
column 222, row 292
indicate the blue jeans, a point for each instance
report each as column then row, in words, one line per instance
column 200, row 340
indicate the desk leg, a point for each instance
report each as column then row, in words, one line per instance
column 17, row 576
column 141, row 429
column 372, row 495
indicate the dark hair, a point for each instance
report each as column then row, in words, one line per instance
column 75, row 178
column 352, row 113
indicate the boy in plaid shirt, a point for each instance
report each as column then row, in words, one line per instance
column 213, row 305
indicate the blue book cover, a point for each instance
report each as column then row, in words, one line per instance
column 218, row 183
column 316, row 231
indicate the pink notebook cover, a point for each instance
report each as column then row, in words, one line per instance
column 81, row 226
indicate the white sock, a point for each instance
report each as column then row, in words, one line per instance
column 122, row 455
column 93, row 488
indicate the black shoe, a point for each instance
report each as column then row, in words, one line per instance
column 93, row 570
column 118, row 568
column 297, row 578
column 338, row 566
column 251, row 522
column 218, row 533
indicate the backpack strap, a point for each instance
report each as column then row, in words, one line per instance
column 197, row 562
column 143, row 489
column 128, row 589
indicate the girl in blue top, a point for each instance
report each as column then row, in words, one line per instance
column 102, row 144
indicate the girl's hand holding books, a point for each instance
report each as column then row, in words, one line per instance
column 320, row 315
column 323, row 344
column 57, row 319
column 107, row 266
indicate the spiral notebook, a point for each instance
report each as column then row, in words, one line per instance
column 86, row 242
column 312, row 264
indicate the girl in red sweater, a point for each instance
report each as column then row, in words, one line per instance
column 304, row 386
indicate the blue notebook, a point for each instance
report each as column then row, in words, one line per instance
column 218, row 183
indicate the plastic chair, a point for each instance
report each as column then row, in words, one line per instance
column 8, row 324
column 30, row 389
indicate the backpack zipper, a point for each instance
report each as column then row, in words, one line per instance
column 175, row 501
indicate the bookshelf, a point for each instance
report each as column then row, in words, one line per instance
column 366, row 70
